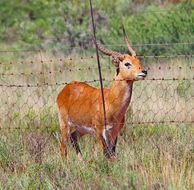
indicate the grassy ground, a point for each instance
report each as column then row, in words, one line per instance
column 149, row 156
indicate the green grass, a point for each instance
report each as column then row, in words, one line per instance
column 148, row 157
column 56, row 25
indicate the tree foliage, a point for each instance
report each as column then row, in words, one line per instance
column 56, row 24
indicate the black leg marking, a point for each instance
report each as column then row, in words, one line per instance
column 109, row 146
column 114, row 146
column 74, row 137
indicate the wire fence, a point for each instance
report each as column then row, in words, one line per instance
column 29, row 88
column 149, row 50
column 29, row 123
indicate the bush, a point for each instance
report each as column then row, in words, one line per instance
column 53, row 25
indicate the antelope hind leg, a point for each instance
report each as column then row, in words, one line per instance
column 64, row 135
column 74, row 138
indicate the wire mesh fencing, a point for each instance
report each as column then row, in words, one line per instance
column 29, row 89
column 158, row 124
column 30, row 84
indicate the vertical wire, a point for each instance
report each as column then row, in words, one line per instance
column 98, row 61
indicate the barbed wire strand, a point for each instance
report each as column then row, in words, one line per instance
column 64, row 60
column 91, row 81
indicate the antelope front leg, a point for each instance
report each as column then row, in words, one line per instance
column 102, row 140
column 105, row 143
column 114, row 147
column 113, row 135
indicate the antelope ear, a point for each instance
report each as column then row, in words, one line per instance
column 115, row 60
column 121, row 58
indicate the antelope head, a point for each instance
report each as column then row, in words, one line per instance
column 128, row 66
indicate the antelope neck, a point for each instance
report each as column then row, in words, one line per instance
column 122, row 89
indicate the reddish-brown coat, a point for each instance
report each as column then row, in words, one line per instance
column 81, row 104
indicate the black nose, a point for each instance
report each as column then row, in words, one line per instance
column 145, row 72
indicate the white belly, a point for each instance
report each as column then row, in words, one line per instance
column 81, row 128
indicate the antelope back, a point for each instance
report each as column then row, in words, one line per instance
column 79, row 102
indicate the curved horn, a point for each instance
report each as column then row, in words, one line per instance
column 133, row 53
column 115, row 56
column 108, row 52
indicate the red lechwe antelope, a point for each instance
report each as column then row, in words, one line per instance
column 81, row 110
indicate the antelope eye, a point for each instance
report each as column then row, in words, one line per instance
column 127, row 64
